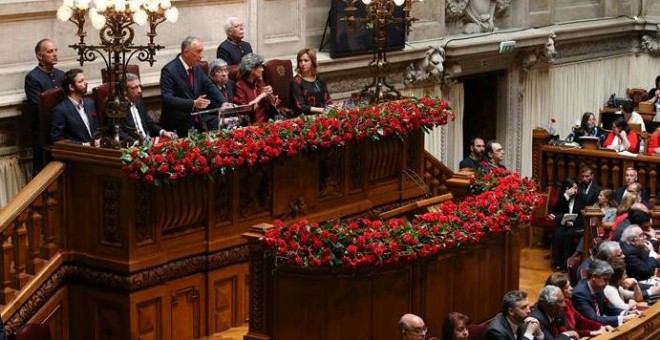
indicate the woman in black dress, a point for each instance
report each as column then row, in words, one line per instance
column 310, row 92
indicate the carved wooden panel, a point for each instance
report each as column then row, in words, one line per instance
column 223, row 199
column 150, row 319
column 331, row 173
column 181, row 207
column 110, row 210
column 186, row 305
column 256, row 191
column 227, row 302
column 295, row 186
column 384, row 159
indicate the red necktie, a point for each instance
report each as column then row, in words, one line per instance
column 224, row 93
column 191, row 77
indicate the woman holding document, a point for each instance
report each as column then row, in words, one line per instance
column 568, row 223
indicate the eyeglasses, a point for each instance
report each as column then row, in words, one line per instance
column 222, row 70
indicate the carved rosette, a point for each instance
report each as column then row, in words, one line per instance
column 110, row 189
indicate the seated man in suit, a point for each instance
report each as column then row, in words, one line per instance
column 74, row 118
column 233, row 49
column 641, row 259
column 588, row 185
column 186, row 88
column 412, row 327
column 138, row 118
column 514, row 322
column 549, row 311
column 630, row 178
column 589, row 299
column 473, row 161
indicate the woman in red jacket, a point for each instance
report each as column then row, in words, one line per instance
column 575, row 320
column 622, row 138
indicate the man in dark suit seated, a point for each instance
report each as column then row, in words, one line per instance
column 630, row 178
column 233, row 49
column 549, row 311
column 641, row 261
column 473, row 161
column 589, row 299
column 186, row 88
column 588, row 186
column 74, row 118
column 412, row 327
column 514, row 322
column 138, row 118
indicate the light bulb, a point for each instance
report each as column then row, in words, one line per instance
column 64, row 13
column 98, row 20
column 68, row 3
column 151, row 6
column 120, row 5
column 140, row 17
column 83, row 4
column 366, row 2
column 399, row 2
column 165, row 4
column 172, row 14
column 134, row 5
column 101, row 5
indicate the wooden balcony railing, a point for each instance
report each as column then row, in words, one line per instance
column 31, row 229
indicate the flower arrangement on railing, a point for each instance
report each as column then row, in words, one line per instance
column 501, row 201
column 224, row 150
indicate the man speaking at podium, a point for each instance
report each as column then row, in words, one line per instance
column 185, row 89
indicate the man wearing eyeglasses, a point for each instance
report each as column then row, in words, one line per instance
column 412, row 327
column 234, row 48
column 138, row 118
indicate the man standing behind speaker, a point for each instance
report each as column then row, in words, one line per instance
column 43, row 77
column 186, row 88
column 234, row 48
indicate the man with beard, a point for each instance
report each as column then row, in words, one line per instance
column 588, row 186
column 473, row 161
column 41, row 78
column 514, row 322
column 234, row 48
column 74, row 118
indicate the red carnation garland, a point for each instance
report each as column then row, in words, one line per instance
column 507, row 200
column 208, row 154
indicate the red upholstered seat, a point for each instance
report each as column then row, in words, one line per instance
column 100, row 95
column 32, row 331
column 233, row 72
column 106, row 76
column 278, row 73
column 477, row 331
column 204, row 65
column 47, row 102
column 572, row 265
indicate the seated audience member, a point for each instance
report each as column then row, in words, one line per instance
column 233, row 49
column 252, row 90
column 654, row 143
column 640, row 264
column 637, row 215
column 494, row 155
column 622, row 211
column 74, row 118
column 574, row 319
column 514, row 321
column 549, row 311
column 186, row 88
column 654, row 92
column 138, row 118
column 631, row 177
column 473, row 161
column 455, row 327
column 412, row 327
column 622, row 292
column 589, row 300
column 631, row 116
column 219, row 74
column 571, row 201
column 607, row 204
column 587, row 128
column 621, row 138
column 43, row 77
column 310, row 92
column 588, row 186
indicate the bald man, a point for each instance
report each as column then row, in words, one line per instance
column 412, row 327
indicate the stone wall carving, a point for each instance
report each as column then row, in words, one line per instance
column 651, row 44
column 429, row 68
column 476, row 16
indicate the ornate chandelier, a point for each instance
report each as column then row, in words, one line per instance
column 115, row 20
column 380, row 14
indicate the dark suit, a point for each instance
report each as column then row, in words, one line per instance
column 232, row 53
column 585, row 304
column 499, row 329
column 226, row 96
column 179, row 95
column 591, row 194
column 645, row 195
column 639, row 264
column 66, row 123
column 550, row 331
column 148, row 125
column 563, row 237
